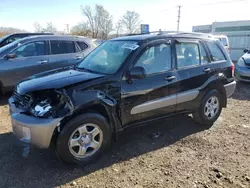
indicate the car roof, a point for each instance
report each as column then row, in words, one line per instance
column 25, row 33
column 54, row 37
column 162, row 35
column 58, row 37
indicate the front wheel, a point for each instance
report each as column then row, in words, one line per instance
column 83, row 139
column 210, row 108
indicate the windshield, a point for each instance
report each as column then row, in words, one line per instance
column 3, row 38
column 108, row 57
column 223, row 40
column 9, row 45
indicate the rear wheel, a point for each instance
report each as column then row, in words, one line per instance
column 210, row 108
column 83, row 139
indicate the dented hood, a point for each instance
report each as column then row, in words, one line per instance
column 55, row 79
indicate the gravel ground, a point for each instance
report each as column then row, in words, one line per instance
column 170, row 153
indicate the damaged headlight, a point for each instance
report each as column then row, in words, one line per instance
column 51, row 103
column 43, row 109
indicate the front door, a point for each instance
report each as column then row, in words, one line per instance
column 155, row 95
column 31, row 58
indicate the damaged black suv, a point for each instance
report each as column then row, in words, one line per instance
column 124, row 82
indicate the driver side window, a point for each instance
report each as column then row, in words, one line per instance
column 31, row 49
column 156, row 59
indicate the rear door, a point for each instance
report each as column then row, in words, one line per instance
column 31, row 58
column 62, row 53
column 193, row 70
column 155, row 95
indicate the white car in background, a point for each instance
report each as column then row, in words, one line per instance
column 224, row 40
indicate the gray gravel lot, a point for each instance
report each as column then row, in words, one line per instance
column 172, row 153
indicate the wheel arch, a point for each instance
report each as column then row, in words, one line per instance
column 106, row 111
column 217, row 85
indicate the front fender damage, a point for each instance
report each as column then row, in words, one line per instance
column 66, row 103
column 95, row 100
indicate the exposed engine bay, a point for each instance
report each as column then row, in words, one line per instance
column 46, row 103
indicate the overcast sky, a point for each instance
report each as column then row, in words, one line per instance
column 160, row 14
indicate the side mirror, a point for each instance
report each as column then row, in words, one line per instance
column 137, row 73
column 246, row 50
column 10, row 56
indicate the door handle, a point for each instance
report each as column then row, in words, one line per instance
column 170, row 78
column 42, row 61
column 79, row 57
column 206, row 70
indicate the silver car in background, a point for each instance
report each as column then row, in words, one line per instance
column 242, row 68
column 32, row 55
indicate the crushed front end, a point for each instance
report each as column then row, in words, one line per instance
column 36, row 115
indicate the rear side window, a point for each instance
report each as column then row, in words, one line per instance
column 216, row 53
column 187, row 54
column 82, row 45
column 62, row 47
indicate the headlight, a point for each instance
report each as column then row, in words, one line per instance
column 43, row 109
column 241, row 62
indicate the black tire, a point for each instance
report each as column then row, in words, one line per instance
column 62, row 147
column 200, row 117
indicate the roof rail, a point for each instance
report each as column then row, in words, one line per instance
column 175, row 32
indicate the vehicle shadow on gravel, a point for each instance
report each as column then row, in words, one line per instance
column 242, row 91
column 42, row 168
column 4, row 99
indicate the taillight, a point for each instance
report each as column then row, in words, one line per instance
column 233, row 68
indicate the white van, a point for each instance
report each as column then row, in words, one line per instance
column 224, row 40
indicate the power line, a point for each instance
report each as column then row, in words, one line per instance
column 221, row 2
column 179, row 9
column 178, row 18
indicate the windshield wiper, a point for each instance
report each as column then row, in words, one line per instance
column 84, row 69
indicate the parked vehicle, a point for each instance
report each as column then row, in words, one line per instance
column 242, row 69
column 36, row 54
column 97, row 41
column 122, row 83
column 16, row 36
column 224, row 40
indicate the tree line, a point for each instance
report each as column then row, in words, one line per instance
column 99, row 24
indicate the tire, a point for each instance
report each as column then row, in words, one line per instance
column 69, row 153
column 200, row 115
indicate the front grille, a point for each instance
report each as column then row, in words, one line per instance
column 245, row 77
column 23, row 100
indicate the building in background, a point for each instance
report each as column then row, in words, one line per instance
column 238, row 33
column 202, row 28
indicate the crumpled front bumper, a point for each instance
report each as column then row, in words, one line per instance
column 33, row 130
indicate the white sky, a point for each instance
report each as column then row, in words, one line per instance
column 160, row 14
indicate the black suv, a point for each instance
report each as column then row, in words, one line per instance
column 124, row 82
column 16, row 36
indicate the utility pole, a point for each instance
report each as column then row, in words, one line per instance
column 178, row 18
column 67, row 25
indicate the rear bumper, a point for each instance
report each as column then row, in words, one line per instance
column 230, row 88
column 32, row 130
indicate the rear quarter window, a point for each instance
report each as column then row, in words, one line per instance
column 215, row 52
column 82, row 45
